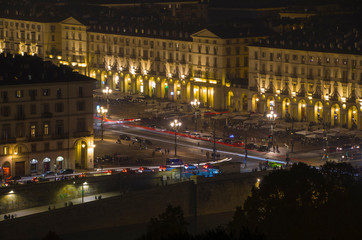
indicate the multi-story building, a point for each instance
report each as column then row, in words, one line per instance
column 46, row 121
column 315, row 82
column 174, row 62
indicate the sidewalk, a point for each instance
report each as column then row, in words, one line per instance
column 45, row 208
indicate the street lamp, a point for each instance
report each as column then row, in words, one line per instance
column 103, row 112
column 195, row 104
column 271, row 116
column 175, row 125
column 107, row 91
column 83, row 184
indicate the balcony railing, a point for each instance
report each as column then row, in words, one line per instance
column 81, row 134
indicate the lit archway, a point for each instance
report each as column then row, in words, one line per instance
column 33, row 165
column 244, row 102
column 352, row 117
column 164, row 89
column 152, row 87
column 335, row 115
column 270, row 104
column 6, row 170
column 318, row 112
column 115, row 81
column 302, row 110
column 59, row 162
column 140, row 85
column 127, row 84
column 230, row 100
column 46, row 164
column 177, row 90
column 104, row 79
column 81, row 150
column 255, row 103
column 286, row 105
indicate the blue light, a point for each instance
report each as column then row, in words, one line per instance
column 231, row 136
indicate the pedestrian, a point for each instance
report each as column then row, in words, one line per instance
column 49, row 208
column 95, row 197
column 66, row 204
column 12, row 216
column 168, row 151
column 273, row 148
column 5, row 217
column 277, row 148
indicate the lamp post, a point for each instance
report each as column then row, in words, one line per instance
column 107, row 91
column 102, row 111
column 195, row 104
column 175, row 125
column 271, row 116
column 83, row 184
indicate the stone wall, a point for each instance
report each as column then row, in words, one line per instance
column 208, row 196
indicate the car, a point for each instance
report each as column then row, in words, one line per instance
column 207, row 166
column 330, row 149
column 13, row 179
column 207, row 137
column 158, row 149
column 126, row 170
column 238, row 143
column 48, row 174
column 251, row 146
column 145, row 170
column 190, row 167
column 124, row 137
column 67, row 171
column 162, row 168
column 228, row 141
column 263, row 148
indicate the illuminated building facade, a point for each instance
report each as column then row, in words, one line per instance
column 46, row 119
column 210, row 65
column 315, row 85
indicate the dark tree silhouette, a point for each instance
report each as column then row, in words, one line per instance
column 306, row 203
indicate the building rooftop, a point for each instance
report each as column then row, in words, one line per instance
column 338, row 34
column 17, row 69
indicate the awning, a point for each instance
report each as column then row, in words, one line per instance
column 59, row 159
column 304, row 132
column 33, row 161
column 46, row 159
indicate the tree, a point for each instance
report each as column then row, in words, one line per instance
column 306, row 203
column 169, row 223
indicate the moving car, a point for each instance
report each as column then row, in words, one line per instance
column 263, row 148
column 144, row 170
column 67, row 171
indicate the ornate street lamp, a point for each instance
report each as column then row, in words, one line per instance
column 271, row 116
column 103, row 112
column 195, row 104
column 175, row 126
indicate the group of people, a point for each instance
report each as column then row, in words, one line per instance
column 8, row 216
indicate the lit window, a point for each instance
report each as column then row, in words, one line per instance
column 46, row 129
column 32, row 130
column 19, row 93
column 6, row 150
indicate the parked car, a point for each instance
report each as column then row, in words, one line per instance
column 48, row 174
column 251, row 146
column 145, row 170
column 263, row 148
column 67, row 171
column 124, row 137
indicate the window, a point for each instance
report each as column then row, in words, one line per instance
column 19, row 93
column 60, row 145
column 46, row 129
column 33, row 147
column 59, row 93
column 59, row 107
column 33, row 130
column 6, row 150
column 80, row 91
column 32, row 109
column 46, row 92
column 4, row 96
column 46, row 146
column 20, row 131
column 32, row 94
column 59, row 127
column 295, row 57
column 328, row 60
column 5, row 111
column 81, row 125
column 46, row 107
column 80, row 106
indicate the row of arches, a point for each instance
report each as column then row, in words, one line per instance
column 173, row 89
column 307, row 110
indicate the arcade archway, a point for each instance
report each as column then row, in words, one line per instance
column 335, row 115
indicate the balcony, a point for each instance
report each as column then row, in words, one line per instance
column 47, row 115
column 35, row 138
column 7, row 140
column 20, row 117
column 79, row 134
